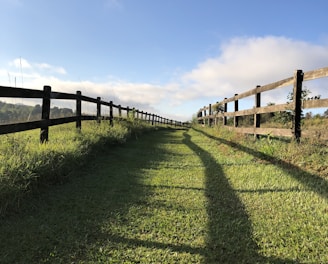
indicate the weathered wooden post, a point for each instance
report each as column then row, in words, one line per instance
column 44, row 133
column 78, row 110
column 235, row 121
column 257, row 117
column 297, row 100
column 152, row 120
column 224, row 111
column 98, row 110
column 111, row 117
column 204, row 119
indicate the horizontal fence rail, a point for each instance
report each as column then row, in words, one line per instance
column 213, row 112
column 47, row 95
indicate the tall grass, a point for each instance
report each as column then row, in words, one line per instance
column 26, row 166
column 310, row 154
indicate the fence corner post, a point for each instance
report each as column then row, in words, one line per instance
column 44, row 133
column 297, row 100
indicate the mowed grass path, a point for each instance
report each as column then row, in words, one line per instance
column 174, row 196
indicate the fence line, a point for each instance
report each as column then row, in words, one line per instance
column 46, row 95
column 213, row 112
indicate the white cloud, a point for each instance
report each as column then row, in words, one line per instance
column 20, row 63
column 247, row 62
column 139, row 95
column 48, row 67
column 242, row 64
column 35, row 68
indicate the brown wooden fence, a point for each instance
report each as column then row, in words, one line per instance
column 210, row 114
column 47, row 95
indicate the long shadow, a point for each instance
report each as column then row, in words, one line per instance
column 65, row 224
column 310, row 180
column 229, row 238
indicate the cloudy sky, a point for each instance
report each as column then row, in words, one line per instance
column 170, row 57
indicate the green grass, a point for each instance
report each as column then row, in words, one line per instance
column 178, row 196
column 26, row 166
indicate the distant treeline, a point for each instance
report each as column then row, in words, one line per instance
column 12, row 113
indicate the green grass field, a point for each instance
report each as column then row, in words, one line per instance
column 180, row 196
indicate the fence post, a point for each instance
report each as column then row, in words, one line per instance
column 98, row 110
column 216, row 114
column 111, row 113
column 127, row 112
column 204, row 120
column 257, row 117
column 236, row 109
column 209, row 115
column 200, row 114
column 224, row 111
column 78, row 110
column 44, row 133
column 297, row 100
column 133, row 113
column 120, row 111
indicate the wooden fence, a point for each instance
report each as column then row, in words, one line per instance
column 213, row 112
column 46, row 95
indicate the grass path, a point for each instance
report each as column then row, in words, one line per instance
column 173, row 196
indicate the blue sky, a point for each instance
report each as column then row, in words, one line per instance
column 170, row 57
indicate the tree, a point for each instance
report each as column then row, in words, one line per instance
column 308, row 115
column 325, row 114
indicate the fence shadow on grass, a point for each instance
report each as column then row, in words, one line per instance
column 65, row 224
column 229, row 238
column 310, row 180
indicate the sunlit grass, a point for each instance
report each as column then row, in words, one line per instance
column 26, row 165
column 177, row 196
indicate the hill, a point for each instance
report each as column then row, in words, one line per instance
column 12, row 113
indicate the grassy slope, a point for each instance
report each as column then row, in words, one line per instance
column 176, row 197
